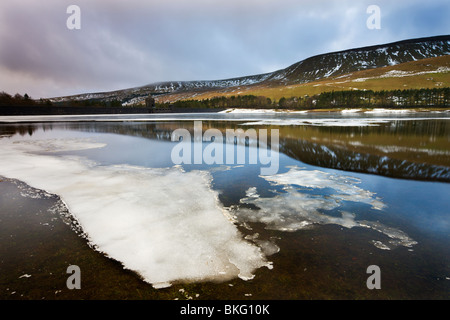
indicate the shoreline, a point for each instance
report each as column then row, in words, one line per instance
column 170, row 116
column 126, row 111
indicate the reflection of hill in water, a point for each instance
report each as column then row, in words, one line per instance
column 402, row 149
column 416, row 149
column 344, row 159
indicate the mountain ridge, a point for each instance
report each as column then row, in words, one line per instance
column 378, row 61
column 314, row 68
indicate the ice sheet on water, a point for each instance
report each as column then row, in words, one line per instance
column 297, row 207
column 319, row 122
column 165, row 224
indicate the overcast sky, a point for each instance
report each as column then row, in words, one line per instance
column 123, row 44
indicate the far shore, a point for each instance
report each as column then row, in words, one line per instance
column 343, row 110
column 142, row 111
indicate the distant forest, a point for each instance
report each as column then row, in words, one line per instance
column 19, row 100
column 25, row 100
column 409, row 98
column 25, row 105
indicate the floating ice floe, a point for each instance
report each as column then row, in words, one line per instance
column 165, row 224
column 299, row 207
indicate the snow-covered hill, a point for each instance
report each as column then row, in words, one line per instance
column 318, row 67
column 343, row 62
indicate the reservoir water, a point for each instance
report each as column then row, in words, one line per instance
column 106, row 193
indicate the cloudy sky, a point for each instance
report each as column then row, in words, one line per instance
column 123, row 44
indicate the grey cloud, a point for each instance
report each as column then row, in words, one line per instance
column 130, row 43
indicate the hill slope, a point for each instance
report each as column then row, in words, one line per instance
column 343, row 62
column 425, row 73
column 320, row 67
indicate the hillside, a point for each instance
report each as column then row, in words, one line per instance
column 305, row 77
column 344, row 62
column 425, row 73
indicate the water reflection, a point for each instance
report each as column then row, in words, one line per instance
column 391, row 213
column 414, row 149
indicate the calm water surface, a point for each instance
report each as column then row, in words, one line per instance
column 351, row 190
